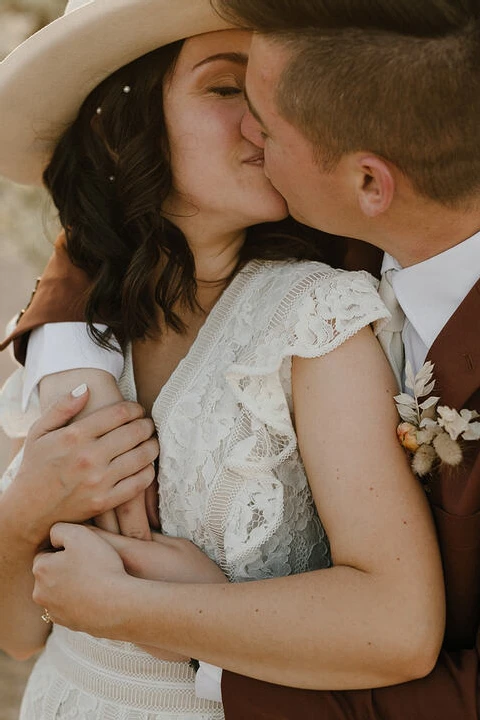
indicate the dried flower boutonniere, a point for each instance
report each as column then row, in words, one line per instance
column 428, row 432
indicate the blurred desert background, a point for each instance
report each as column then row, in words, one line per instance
column 27, row 229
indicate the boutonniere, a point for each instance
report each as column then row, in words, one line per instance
column 432, row 433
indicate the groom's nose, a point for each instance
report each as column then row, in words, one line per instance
column 252, row 130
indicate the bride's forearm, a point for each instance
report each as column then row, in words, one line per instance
column 330, row 629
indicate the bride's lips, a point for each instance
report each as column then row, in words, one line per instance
column 256, row 159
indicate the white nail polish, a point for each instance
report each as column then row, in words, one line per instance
column 80, row 390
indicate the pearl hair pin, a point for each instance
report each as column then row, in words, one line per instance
column 127, row 89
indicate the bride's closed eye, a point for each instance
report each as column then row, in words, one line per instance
column 226, row 91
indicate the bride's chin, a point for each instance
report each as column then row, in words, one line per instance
column 274, row 206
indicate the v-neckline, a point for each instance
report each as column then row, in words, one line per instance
column 204, row 343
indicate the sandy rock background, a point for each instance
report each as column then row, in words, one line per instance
column 27, row 229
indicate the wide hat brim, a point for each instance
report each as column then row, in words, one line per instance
column 46, row 79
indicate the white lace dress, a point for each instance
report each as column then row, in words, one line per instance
column 231, row 479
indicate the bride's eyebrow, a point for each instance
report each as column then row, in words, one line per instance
column 235, row 57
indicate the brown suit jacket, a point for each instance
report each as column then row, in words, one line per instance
column 59, row 296
column 451, row 691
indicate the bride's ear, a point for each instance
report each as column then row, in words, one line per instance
column 375, row 184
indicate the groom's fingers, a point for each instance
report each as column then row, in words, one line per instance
column 151, row 503
column 107, row 521
column 132, row 518
column 131, row 486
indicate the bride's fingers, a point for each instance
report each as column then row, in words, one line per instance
column 119, row 542
column 60, row 412
column 111, row 417
column 127, row 437
column 134, row 460
column 62, row 534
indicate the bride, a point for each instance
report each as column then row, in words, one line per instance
column 270, row 397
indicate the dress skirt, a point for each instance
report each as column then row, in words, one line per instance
column 79, row 677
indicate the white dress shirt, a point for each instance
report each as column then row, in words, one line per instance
column 429, row 293
column 56, row 347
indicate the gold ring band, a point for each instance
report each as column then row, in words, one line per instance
column 46, row 616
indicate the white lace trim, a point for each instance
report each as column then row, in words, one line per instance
column 85, row 678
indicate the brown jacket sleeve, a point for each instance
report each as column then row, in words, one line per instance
column 60, row 296
column 448, row 693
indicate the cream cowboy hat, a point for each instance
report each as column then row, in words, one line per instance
column 45, row 80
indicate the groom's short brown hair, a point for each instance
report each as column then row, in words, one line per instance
column 415, row 17
column 396, row 78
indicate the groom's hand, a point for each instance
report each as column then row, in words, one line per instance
column 73, row 472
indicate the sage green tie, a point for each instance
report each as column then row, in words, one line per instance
column 389, row 334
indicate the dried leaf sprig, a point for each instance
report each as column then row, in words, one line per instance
column 428, row 432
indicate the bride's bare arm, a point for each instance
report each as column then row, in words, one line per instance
column 68, row 473
column 375, row 618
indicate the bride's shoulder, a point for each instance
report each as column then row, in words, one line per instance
column 290, row 279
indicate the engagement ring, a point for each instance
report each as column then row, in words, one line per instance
column 46, row 616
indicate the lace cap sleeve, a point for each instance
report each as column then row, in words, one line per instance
column 322, row 309
column 320, row 313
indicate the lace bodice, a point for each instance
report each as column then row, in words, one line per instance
column 231, row 479
column 230, row 475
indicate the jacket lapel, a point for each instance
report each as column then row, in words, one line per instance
column 456, row 353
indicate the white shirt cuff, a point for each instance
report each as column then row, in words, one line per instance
column 56, row 347
column 208, row 682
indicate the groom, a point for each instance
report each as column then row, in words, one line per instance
column 370, row 129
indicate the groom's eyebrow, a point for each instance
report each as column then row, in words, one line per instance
column 236, row 57
column 254, row 112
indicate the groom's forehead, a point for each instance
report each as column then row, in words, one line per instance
column 266, row 63
column 267, row 57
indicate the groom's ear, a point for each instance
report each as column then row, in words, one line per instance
column 375, row 184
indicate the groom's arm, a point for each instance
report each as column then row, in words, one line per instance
column 60, row 296
column 450, row 692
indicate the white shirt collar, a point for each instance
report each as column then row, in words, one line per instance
column 431, row 291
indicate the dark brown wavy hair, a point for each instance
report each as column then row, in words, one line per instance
column 109, row 176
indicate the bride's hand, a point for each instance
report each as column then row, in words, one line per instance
column 169, row 559
column 165, row 558
column 80, row 581
column 93, row 565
